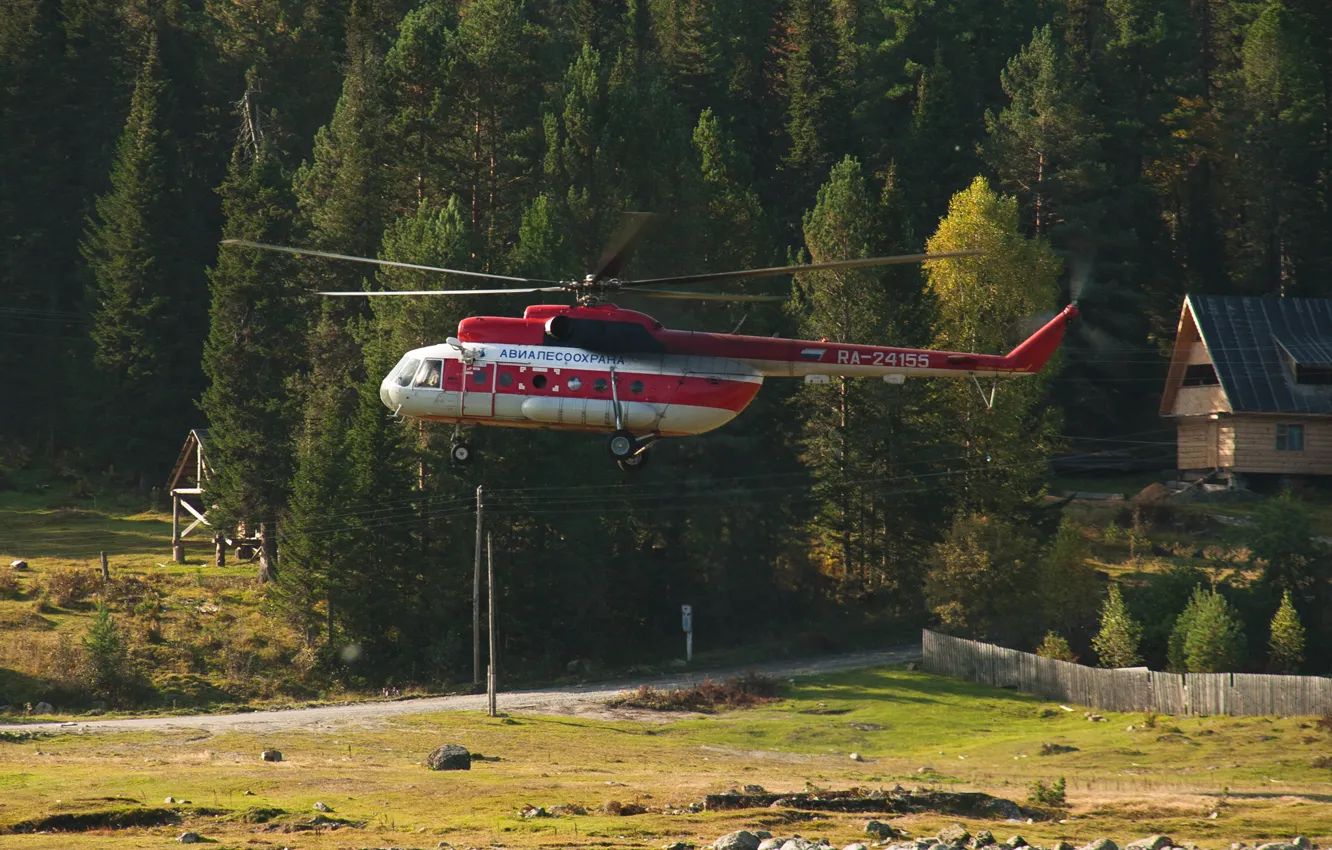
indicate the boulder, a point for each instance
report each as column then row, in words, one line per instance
column 1303, row 843
column 955, row 834
column 771, row 844
column 321, row 806
column 19, row 565
column 1101, row 844
column 762, row 834
column 741, row 840
column 189, row 838
column 857, row 757
column 1278, row 845
column 798, row 843
column 984, row 838
column 43, row 708
column 880, row 830
column 1153, row 842
column 449, row 757
column 169, row 800
column 1015, row 841
column 855, row 847
column 1062, row 845
column 271, row 755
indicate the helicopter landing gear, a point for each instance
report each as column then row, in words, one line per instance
column 633, row 463
column 460, row 453
column 630, row 452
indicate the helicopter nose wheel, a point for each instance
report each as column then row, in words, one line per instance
column 460, row 453
column 622, row 445
column 634, row 463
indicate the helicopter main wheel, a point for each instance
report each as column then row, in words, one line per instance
column 633, row 463
column 460, row 453
column 622, row 445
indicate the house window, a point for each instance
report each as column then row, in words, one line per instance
column 1200, row 375
column 1290, row 438
column 1313, row 374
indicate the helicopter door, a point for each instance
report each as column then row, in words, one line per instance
column 453, row 370
column 478, row 380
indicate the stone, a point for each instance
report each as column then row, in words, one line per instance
column 1303, row 843
column 1101, row 844
column 1062, row 845
column 879, row 829
column 678, row 845
column 189, row 838
column 855, row 847
column 771, row 844
column 321, row 806
column 740, row 840
column 911, row 665
column 169, row 800
column 925, row 769
column 762, row 834
column 955, row 834
column 857, row 757
column 984, row 838
column 798, row 843
column 43, row 708
column 271, row 755
column 1277, row 845
column 449, row 757
column 1152, row 842
column 755, row 789
column 19, row 565
column 1015, row 841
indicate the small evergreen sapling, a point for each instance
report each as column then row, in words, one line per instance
column 1215, row 642
column 1056, row 647
column 1286, row 644
column 1116, row 644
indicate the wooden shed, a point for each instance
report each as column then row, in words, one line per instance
column 1250, row 386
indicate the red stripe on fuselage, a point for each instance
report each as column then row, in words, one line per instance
column 656, row 389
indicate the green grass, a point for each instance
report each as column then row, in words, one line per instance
column 1123, row 784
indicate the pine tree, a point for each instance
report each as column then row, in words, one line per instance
column 148, row 295
column 1215, row 641
column 1286, row 644
column 1176, row 653
column 1116, row 644
column 249, row 359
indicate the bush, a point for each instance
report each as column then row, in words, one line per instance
column 1055, row 647
column 68, row 586
column 707, row 696
column 1052, row 795
column 980, row 575
column 1069, row 587
column 107, row 668
column 9, row 586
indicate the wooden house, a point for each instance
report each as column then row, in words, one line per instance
column 1250, row 386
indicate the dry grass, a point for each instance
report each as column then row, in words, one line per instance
column 706, row 697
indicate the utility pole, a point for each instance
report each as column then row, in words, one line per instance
column 493, row 674
column 476, row 596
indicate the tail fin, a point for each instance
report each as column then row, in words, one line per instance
column 1033, row 353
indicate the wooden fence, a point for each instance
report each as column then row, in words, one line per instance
column 1133, row 689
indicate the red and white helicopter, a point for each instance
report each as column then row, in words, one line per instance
column 596, row 367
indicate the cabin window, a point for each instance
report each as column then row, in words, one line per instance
column 479, row 376
column 1290, row 438
column 575, row 383
column 406, row 371
column 636, row 387
column 506, row 379
column 429, row 374
column 539, row 381
column 599, row 385
column 1200, row 375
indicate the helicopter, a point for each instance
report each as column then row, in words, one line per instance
column 595, row 367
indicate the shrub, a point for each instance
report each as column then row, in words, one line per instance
column 68, row 586
column 1055, row 647
column 1052, row 795
column 1286, row 644
column 1116, row 644
column 1069, row 586
column 707, row 696
column 983, row 571
column 9, row 586
column 107, row 668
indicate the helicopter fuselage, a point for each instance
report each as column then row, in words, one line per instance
column 606, row 369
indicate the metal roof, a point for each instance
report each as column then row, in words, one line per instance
column 1244, row 337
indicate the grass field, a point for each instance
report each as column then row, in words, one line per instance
column 1255, row 774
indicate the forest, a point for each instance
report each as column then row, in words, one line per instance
column 1120, row 152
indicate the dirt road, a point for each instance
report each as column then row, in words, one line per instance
column 583, row 700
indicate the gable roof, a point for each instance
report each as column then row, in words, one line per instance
column 1245, row 338
column 193, row 460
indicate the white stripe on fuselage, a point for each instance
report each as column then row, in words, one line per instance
column 559, row 357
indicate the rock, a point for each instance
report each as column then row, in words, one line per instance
column 798, row 843
column 771, row 844
column 19, row 565
column 43, row 708
column 855, row 847
column 741, row 840
column 1303, row 843
column 984, row 838
column 678, row 845
column 1277, row 845
column 1101, row 844
column 857, row 757
column 1015, row 841
column 534, row 812
column 271, row 755
column 911, row 665
column 755, row 789
column 169, row 800
column 762, row 834
column 1154, row 842
column 321, row 806
column 925, row 769
column 189, row 838
column 880, row 829
column 449, row 757
column 955, row 834
column 1062, row 845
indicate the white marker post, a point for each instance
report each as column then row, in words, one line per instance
column 687, row 622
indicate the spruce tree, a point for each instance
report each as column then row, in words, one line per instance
column 810, row 73
column 148, row 297
column 1215, row 642
column 1116, row 644
column 1286, row 643
column 249, row 358
column 1176, row 653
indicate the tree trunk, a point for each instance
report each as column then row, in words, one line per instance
column 267, row 552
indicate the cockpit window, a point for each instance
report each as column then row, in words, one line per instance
column 428, row 375
column 406, row 370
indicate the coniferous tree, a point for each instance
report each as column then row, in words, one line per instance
column 249, row 357
column 1116, row 644
column 1215, row 642
column 981, row 573
column 1286, row 640
column 1176, row 651
column 148, row 296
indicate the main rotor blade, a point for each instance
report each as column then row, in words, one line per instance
column 700, row 296
column 621, row 244
column 521, row 291
column 311, row 253
column 776, row 270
